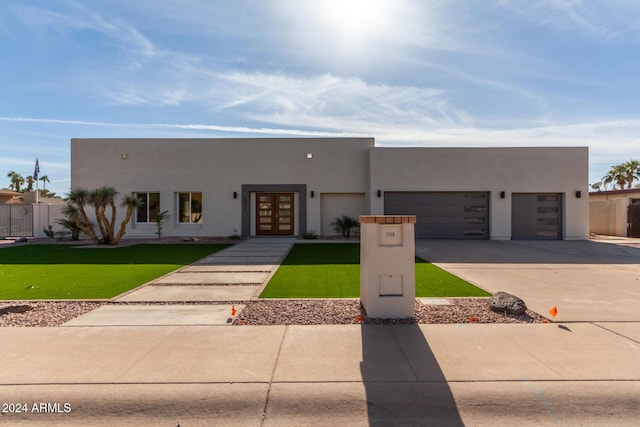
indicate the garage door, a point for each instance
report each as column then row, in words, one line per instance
column 441, row 215
column 536, row 216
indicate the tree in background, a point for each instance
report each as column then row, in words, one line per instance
column 616, row 175
column 30, row 182
column 623, row 174
column 44, row 179
column 632, row 171
column 16, row 180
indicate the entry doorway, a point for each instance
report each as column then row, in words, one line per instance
column 633, row 218
column 275, row 214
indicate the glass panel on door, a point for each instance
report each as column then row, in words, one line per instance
column 274, row 213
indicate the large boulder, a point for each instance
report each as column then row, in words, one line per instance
column 503, row 302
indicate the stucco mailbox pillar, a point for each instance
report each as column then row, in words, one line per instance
column 387, row 265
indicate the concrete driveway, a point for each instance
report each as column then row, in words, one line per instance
column 588, row 281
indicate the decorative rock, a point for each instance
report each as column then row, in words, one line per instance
column 6, row 309
column 503, row 302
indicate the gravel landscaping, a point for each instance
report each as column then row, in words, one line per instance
column 345, row 312
column 288, row 312
column 46, row 313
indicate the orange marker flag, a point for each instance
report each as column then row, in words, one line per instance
column 554, row 311
column 233, row 310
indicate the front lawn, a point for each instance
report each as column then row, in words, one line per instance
column 332, row 270
column 68, row 272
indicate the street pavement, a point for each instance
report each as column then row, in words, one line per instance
column 579, row 370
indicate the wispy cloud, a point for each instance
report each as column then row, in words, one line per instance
column 605, row 21
column 79, row 18
column 609, row 142
column 187, row 127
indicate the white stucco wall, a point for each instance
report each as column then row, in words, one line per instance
column 217, row 168
column 512, row 170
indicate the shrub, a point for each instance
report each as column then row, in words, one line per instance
column 310, row 235
column 343, row 225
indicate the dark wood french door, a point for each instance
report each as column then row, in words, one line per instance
column 274, row 213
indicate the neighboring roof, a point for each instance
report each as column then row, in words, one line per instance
column 9, row 193
column 614, row 192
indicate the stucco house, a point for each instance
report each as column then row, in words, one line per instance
column 615, row 212
column 288, row 186
column 10, row 196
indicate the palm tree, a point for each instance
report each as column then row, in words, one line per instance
column 632, row 171
column 78, row 198
column 616, row 175
column 16, row 181
column 44, row 179
column 344, row 225
column 131, row 203
column 101, row 199
column 29, row 183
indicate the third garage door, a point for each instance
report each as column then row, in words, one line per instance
column 443, row 215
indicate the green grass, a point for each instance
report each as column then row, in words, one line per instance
column 67, row 272
column 332, row 270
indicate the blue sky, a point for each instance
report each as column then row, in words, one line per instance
column 407, row 72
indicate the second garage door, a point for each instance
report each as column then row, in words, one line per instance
column 536, row 216
column 443, row 215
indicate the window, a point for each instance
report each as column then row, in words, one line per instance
column 190, row 208
column 150, row 207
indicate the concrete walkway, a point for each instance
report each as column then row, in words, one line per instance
column 232, row 276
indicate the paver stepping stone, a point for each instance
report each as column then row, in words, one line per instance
column 229, row 268
column 222, row 278
column 190, row 293
column 239, row 260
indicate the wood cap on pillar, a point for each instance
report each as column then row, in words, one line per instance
column 387, row 219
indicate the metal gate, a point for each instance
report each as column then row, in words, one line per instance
column 16, row 220
column 633, row 220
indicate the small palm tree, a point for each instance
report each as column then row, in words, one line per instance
column 343, row 225
column 102, row 199
column 75, row 210
column 131, row 203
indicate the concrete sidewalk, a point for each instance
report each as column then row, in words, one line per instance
column 585, row 374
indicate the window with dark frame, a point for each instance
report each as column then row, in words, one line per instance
column 190, row 208
column 149, row 207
